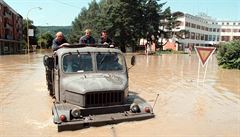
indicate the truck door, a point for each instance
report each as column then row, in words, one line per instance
column 56, row 79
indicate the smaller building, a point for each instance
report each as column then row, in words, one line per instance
column 11, row 30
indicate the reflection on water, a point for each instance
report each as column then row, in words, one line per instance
column 228, row 80
column 183, row 108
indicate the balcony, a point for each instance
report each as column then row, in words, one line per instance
column 7, row 26
column 7, row 15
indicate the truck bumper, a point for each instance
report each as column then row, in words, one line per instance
column 100, row 120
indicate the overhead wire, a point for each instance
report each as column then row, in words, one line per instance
column 64, row 3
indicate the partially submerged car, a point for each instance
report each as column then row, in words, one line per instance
column 90, row 87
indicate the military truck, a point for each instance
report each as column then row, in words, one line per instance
column 89, row 85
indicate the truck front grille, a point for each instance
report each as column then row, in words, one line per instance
column 107, row 98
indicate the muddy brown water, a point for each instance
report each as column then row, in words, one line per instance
column 187, row 105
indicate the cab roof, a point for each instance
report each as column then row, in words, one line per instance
column 64, row 50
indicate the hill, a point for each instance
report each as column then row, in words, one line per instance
column 54, row 29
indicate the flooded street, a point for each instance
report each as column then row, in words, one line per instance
column 187, row 105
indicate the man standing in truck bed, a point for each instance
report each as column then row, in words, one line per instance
column 87, row 38
column 59, row 41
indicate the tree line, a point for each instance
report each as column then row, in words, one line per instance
column 125, row 21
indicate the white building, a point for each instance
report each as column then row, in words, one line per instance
column 205, row 31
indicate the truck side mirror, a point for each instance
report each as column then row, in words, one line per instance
column 133, row 60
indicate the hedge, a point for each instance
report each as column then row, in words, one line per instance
column 228, row 55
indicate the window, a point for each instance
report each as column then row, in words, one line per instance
column 187, row 24
column 214, row 38
column 109, row 61
column 236, row 30
column 210, row 38
column 74, row 62
column 202, row 36
column 192, row 35
column 218, row 38
column 206, row 28
column 193, row 25
column 225, row 38
column 198, row 26
column 228, row 30
column 206, row 37
column 236, row 37
column 197, row 36
column 187, row 35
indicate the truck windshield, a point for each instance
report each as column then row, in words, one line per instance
column 109, row 61
column 77, row 62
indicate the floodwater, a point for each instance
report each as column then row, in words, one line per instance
column 187, row 104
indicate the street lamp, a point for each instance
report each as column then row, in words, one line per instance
column 28, row 26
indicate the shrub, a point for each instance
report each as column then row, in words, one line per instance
column 228, row 55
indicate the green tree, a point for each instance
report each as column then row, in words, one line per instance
column 228, row 55
column 45, row 40
column 124, row 17
column 133, row 20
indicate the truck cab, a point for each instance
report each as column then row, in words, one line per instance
column 90, row 88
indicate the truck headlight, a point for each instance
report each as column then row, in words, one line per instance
column 135, row 108
column 76, row 112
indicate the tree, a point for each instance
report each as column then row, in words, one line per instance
column 45, row 40
column 125, row 20
column 133, row 20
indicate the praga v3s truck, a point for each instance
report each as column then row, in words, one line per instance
column 90, row 87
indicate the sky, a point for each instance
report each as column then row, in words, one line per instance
column 63, row 12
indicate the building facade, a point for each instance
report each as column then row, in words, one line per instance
column 11, row 30
column 203, row 30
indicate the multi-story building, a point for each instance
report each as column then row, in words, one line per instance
column 203, row 30
column 11, row 30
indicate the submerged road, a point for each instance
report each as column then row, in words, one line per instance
column 186, row 106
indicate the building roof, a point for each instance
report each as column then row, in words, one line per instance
column 4, row 3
